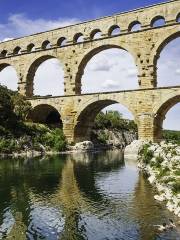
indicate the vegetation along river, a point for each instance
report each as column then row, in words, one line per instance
column 79, row 196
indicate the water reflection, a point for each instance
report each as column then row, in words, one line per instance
column 78, row 196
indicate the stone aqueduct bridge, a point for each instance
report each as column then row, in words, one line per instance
column 148, row 104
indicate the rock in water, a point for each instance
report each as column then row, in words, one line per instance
column 86, row 145
column 131, row 151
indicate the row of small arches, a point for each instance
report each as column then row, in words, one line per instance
column 114, row 30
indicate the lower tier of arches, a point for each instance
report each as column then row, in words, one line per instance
column 76, row 114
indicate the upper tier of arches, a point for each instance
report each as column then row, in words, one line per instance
column 94, row 34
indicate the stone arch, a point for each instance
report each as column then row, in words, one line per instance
column 30, row 47
column 45, row 114
column 114, row 30
column 158, row 19
column 86, row 59
column 4, row 53
column 62, row 41
column 78, row 38
column 160, row 46
column 134, row 26
column 84, row 119
column 10, row 79
column 94, row 34
column 46, row 44
column 160, row 115
column 178, row 18
column 30, row 73
column 16, row 50
column 3, row 66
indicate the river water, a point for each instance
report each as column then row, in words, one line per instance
column 79, row 196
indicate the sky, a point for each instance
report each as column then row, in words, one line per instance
column 108, row 71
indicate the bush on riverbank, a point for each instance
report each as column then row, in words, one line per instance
column 161, row 162
column 173, row 136
column 35, row 137
column 16, row 135
column 114, row 120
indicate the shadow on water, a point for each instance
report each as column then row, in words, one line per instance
column 79, row 196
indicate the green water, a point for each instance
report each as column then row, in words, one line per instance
column 80, row 196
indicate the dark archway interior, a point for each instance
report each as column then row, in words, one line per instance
column 45, row 114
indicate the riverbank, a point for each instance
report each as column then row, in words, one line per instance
column 161, row 162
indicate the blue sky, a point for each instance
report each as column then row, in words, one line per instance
column 81, row 9
column 110, row 70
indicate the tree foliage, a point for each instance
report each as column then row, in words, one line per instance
column 114, row 120
column 13, row 108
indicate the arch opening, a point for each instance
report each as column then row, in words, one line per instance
column 78, row 38
column 158, row 21
column 114, row 30
column 62, row 42
column 134, row 26
column 178, row 18
column 46, row 45
column 16, row 51
column 95, row 34
column 167, row 118
column 4, row 53
column 45, row 114
column 45, row 77
column 8, row 76
column 31, row 47
column 107, row 69
column 167, row 62
column 109, row 114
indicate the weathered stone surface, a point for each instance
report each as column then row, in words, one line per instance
column 131, row 151
column 149, row 104
column 86, row 145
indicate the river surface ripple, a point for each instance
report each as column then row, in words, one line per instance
column 94, row 196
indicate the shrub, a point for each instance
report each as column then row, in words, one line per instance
column 102, row 137
column 146, row 154
column 176, row 186
column 55, row 140
column 114, row 120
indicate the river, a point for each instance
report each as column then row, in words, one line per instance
column 79, row 196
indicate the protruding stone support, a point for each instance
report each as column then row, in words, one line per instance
column 22, row 88
column 145, row 126
column 147, row 73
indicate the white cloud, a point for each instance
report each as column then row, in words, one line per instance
column 132, row 72
column 109, row 83
column 19, row 25
column 6, row 39
column 178, row 71
column 101, row 63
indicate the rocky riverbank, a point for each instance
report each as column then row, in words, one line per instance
column 162, row 164
column 112, row 138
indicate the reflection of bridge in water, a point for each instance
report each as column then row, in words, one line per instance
column 64, row 202
column 148, row 104
column 70, row 197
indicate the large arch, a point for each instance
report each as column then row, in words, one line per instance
column 84, row 120
column 160, row 116
column 31, row 72
column 45, row 114
column 8, row 76
column 87, row 57
column 161, row 45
